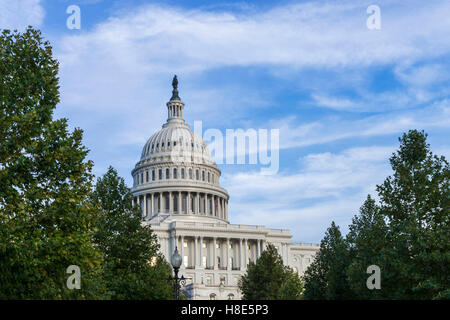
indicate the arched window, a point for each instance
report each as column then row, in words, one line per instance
column 197, row 174
column 175, row 176
column 212, row 296
column 182, row 173
column 203, row 175
column 153, row 175
column 160, row 174
column 146, row 176
column 167, row 173
column 190, row 174
column 209, row 177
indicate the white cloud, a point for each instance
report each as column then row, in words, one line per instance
column 328, row 186
column 332, row 129
column 19, row 14
column 160, row 39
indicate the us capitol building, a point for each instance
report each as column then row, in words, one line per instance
column 177, row 185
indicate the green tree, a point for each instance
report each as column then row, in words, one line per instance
column 368, row 241
column 134, row 268
column 269, row 279
column 46, row 223
column 326, row 277
column 416, row 202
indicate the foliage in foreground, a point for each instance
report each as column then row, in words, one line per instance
column 407, row 235
column 46, row 224
column 133, row 267
column 270, row 279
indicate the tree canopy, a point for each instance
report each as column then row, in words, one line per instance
column 133, row 266
column 407, row 234
column 270, row 279
column 46, row 224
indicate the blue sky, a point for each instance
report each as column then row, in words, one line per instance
column 339, row 93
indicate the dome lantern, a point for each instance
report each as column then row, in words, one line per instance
column 175, row 106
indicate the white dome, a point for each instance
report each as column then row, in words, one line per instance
column 178, row 142
column 176, row 177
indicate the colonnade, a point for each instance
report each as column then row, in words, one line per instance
column 181, row 202
column 217, row 253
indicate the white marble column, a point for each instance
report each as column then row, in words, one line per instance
column 182, row 252
column 152, row 206
column 215, row 254
column 197, row 203
column 258, row 253
column 228, row 254
column 188, row 203
column 145, row 205
column 195, row 251
column 240, row 254
column 200, row 251
column 226, row 210
column 246, row 254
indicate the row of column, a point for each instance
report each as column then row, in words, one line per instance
column 194, row 203
column 216, row 257
column 175, row 110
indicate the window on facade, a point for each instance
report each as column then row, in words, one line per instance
column 208, row 177
column 174, row 143
column 203, row 175
column 160, row 174
column 182, row 173
column 175, row 176
column 146, row 176
column 162, row 145
column 153, row 175
column 190, row 173
column 167, row 173
column 197, row 174
column 142, row 177
column 168, row 143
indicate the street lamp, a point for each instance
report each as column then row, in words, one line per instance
column 176, row 261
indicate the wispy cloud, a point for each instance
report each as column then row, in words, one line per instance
column 325, row 186
column 19, row 14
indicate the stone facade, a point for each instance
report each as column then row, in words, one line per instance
column 177, row 186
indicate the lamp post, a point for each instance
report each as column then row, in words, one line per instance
column 176, row 261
